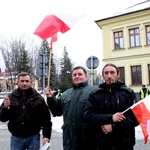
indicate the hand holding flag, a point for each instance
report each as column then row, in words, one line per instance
column 3, row 68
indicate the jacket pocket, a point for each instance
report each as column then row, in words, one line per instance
column 65, row 107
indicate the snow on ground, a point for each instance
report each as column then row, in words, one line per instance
column 57, row 123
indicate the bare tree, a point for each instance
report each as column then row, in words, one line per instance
column 12, row 49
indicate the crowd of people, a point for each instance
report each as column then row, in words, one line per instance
column 93, row 116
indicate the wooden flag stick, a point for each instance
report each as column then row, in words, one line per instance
column 49, row 68
column 5, row 85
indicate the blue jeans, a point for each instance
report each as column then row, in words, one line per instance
column 29, row 143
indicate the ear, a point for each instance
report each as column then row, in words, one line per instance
column 118, row 75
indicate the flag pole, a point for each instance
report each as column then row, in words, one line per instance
column 49, row 68
column 5, row 85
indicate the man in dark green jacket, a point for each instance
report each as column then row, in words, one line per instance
column 77, row 134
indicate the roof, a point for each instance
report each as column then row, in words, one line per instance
column 135, row 8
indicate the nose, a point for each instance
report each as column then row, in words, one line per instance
column 109, row 74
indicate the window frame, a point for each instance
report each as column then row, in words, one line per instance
column 136, row 75
column 122, row 74
column 134, row 37
column 148, row 72
column 147, row 34
column 120, row 38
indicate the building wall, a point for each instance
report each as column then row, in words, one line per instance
column 127, row 56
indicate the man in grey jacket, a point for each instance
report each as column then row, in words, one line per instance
column 77, row 134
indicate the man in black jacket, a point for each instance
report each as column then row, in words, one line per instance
column 114, row 130
column 27, row 113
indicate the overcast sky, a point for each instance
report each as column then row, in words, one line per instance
column 82, row 41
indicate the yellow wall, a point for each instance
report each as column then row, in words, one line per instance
column 127, row 56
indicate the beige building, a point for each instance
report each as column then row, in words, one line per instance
column 126, row 43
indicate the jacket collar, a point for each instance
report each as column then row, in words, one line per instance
column 116, row 85
column 81, row 85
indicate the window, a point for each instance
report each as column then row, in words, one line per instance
column 136, row 75
column 148, row 35
column 118, row 38
column 149, row 73
column 134, row 37
column 122, row 74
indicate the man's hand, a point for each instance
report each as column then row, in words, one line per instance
column 48, row 92
column 44, row 140
column 118, row 117
column 7, row 102
column 107, row 128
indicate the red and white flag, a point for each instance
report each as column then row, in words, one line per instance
column 58, row 22
column 2, row 63
column 141, row 111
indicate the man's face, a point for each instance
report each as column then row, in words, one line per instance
column 24, row 82
column 78, row 76
column 110, row 75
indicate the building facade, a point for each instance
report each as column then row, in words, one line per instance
column 126, row 43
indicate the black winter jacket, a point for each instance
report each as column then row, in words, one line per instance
column 28, row 114
column 102, row 104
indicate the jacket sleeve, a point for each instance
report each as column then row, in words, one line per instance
column 46, row 121
column 4, row 113
column 130, row 122
column 55, row 106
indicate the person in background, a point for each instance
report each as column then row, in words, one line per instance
column 114, row 130
column 56, row 92
column 77, row 134
column 144, row 92
column 27, row 114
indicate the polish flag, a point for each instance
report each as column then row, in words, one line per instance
column 2, row 63
column 58, row 22
column 141, row 111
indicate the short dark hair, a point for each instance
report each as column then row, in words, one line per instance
column 110, row 64
column 80, row 67
column 55, row 89
column 24, row 74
